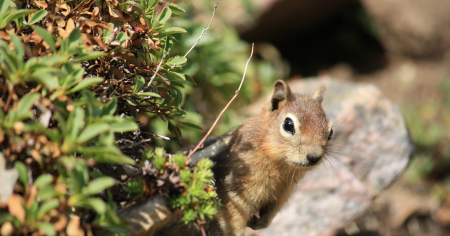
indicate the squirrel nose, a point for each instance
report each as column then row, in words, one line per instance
column 313, row 159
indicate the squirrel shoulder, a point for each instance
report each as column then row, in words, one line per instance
column 257, row 165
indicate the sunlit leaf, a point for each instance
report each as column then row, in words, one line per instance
column 175, row 7
column 91, row 131
column 47, row 206
column 124, row 126
column 164, row 16
column 47, row 228
column 139, row 82
column 46, row 36
column 177, row 60
column 23, row 172
column 190, row 125
column 146, row 94
column 121, row 37
column 37, row 17
column 43, row 180
column 189, row 78
column 174, row 30
column 23, row 110
column 99, row 184
column 89, row 56
column 110, row 107
column 88, row 82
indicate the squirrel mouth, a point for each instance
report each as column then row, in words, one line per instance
column 307, row 164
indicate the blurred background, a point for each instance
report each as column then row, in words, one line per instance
column 401, row 46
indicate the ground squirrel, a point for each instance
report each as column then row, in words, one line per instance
column 257, row 165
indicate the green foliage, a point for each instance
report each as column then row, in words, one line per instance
column 199, row 199
column 71, row 99
column 428, row 124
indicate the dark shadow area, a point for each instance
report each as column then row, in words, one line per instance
column 362, row 233
column 345, row 35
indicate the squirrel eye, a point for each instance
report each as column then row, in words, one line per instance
column 331, row 134
column 288, row 126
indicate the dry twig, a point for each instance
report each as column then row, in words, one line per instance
column 201, row 35
column 157, row 69
column 156, row 135
column 224, row 109
column 135, row 144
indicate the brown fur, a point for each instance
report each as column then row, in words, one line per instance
column 259, row 163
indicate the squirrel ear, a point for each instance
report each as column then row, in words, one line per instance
column 281, row 93
column 318, row 95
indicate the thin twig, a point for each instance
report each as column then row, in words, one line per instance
column 203, row 31
column 135, row 144
column 157, row 69
column 201, row 35
column 224, row 109
column 156, row 135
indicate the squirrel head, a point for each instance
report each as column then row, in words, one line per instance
column 299, row 130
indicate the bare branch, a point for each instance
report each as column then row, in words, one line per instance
column 156, row 135
column 201, row 35
column 157, row 69
column 135, row 144
column 203, row 31
column 224, row 109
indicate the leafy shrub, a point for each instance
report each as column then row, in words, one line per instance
column 74, row 77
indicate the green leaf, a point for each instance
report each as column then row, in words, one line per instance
column 47, row 192
column 121, row 37
column 23, row 173
column 47, row 228
column 185, row 176
column 37, row 17
column 175, row 131
column 5, row 217
column 89, row 56
column 18, row 45
column 177, row 60
column 139, row 82
column 114, row 158
column 4, row 7
column 124, row 126
column 189, row 78
column 99, row 150
column 25, row 103
column 43, row 180
column 168, row 43
column 190, row 125
column 175, row 7
column 147, row 94
column 46, row 36
column 77, row 122
column 91, row 131
column 95, row 203
column 151, row 3
column 74, row 36
column 52, row 60
column 174, row 30
column 47, row 206
column 88, row 82
column 110, row 107
column 164, row 16
column 179, row 160
column 179, row 98
column 98, row 185
column 18, row 14
column 173, row 74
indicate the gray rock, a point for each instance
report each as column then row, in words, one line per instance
column 8, row 178
column 371, row 147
